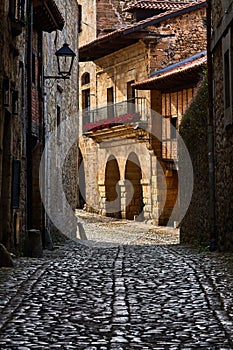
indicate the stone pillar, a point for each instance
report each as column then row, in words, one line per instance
column 102, row 203
column 123, row 191
column 34, row 244
column 146, row 191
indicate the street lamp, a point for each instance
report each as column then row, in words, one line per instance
column 65, row 59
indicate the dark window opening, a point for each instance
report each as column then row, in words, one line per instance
column 131, row 97
column 86, row 106
column 173, row 127
column 85, row 79
column 227, row 78
column 110, row 101
column 79, row 18
column 58, row 116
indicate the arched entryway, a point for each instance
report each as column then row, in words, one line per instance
column 112, row 188
column 171, row 177
column 134, row 194
column 81, row 182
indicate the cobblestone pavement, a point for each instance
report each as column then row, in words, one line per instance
column 117, row 295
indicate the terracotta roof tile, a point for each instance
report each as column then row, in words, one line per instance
column 148, row 21
column 179, row 68
column 155, row 5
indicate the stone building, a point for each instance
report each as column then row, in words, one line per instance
column 126, row 171
column 22, row 128
column 12, row 122
column 60, row 110
column 220, row 22
column 209, row 219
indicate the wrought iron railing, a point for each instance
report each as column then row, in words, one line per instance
column 117, row 113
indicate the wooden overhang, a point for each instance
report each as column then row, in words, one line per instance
column 183, row 74
column 47, row 16
column 126, row 36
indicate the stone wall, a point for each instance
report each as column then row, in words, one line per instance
column 195, row 227
column 61, row 112
column 186, row 36
column 12, row 135
column 223, row 145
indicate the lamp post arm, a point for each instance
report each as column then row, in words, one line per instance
column 56, row 77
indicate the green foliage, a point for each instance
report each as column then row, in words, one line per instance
column 194, row 132
column 193, row 128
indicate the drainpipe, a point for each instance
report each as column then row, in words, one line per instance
column 29, row 117
column 213, row 234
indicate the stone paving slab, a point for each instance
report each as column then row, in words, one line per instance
column 120, row 296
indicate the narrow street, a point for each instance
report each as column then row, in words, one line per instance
column 127, row 286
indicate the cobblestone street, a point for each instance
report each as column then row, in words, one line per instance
column 128, row 286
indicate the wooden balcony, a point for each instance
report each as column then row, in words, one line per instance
column 121, row 113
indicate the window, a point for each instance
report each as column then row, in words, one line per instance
column 86, row 106
column 17, row 10
column 79, row 18
column 58, row 116
column 173, row 125
column 110, row 100
column 85, row 79
column 227, row 76
column 131, row 97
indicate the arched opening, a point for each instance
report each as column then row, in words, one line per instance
column 112, row 188
column 81, row 182
column 133, row 174
column 171, row 177
column 85, row 79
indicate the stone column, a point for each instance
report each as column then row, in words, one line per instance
column 102, row 203
column 146, row 192
column 123, row 191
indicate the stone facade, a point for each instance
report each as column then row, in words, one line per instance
column 195, row 227
column 102, row 152
column 222, row 15
column 209, row 219
column 12, row 129
column 22, row 124
column 61, row 108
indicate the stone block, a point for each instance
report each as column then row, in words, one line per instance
column 5, row 257
column 34, row 244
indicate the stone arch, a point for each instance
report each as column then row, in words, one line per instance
column 85, row 78
column 112, row 188
column 171, row 178
column 81, row 182
column 134, row 193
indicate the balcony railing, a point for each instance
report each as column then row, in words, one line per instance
column 113, row 114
